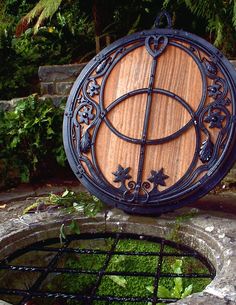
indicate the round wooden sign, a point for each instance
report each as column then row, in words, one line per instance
column 150, row 122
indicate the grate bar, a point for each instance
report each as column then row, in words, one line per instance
column 89, row 298
column 91, row 251
column 71, row 270
column 73, row 296
column 105, row 265
column 45, row 273
column 158, row 273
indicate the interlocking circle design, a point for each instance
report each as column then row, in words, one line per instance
column 149, row 125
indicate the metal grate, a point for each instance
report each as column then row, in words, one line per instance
column 105, row 247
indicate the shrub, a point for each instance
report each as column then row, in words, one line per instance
column 30, row 140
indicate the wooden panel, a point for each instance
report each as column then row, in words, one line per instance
column 130, row 73
column 174, row 157
column 128, row 116
column 112, row 151
column 178, row 73
column 167, row 116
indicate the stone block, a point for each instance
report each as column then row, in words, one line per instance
column 60, row 72
column 63, row 88
column 56, row 100
column 47, row 88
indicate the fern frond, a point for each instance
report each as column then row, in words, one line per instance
column 43, row 10
column 234, row 14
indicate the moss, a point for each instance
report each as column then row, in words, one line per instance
column 132, row 264
column 122, row 286
column 93, row 262
column 189, row 265
column 137, row 245
column 137, row 286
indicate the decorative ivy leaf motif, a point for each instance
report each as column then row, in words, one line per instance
column 121, row 174
column 85, row 142
column 214, row 119
column 210, row 66
column 225, row 102
column 158, row 178
column 214, row 90
column 102, row 65
column 93, row 88
column 206, row 151
column 85, row 115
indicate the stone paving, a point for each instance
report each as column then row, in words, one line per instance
column 208, row 225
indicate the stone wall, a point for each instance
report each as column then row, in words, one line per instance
column 57, row 80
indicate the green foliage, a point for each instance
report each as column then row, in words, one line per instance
column 30, row 139
column 44, row 9
column 66, row 37
column 219, row 18
column 128, row 285
column 81, row 202
column 178, row 290
column 68, row 31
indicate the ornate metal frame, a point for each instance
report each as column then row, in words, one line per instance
column 217, row 157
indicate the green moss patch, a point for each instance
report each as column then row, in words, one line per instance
column 137, row 245
column 135, row 286
column 93, row 262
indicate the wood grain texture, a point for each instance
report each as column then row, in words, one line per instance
column 130, row 73
column 176, row 72
column 111, row 151
column 167, row 115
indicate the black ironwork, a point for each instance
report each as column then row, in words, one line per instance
column 213, row 156
column 36, row 292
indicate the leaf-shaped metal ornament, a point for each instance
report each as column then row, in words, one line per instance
column 210, row 66
column 85, row 142
column 102, row 65
column 206, row 151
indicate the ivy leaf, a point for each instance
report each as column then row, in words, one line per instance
column 85, row 142
column 74, row 227
column 176, row 266
column 65, row 193
column 79, row 207
column 14, row 142
column 163, row 292
column 187, row 291
column 150, row 289
column 178, row 287
column 119, row 280
column 206, row 151
column 25, row 174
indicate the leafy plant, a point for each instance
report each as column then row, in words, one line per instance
column 219, row 18
column 81, row 202
column 64, row 38
column 43, row 9
column 30, row 140
column 178, row 290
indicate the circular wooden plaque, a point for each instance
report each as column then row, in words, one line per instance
column 150, row 122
